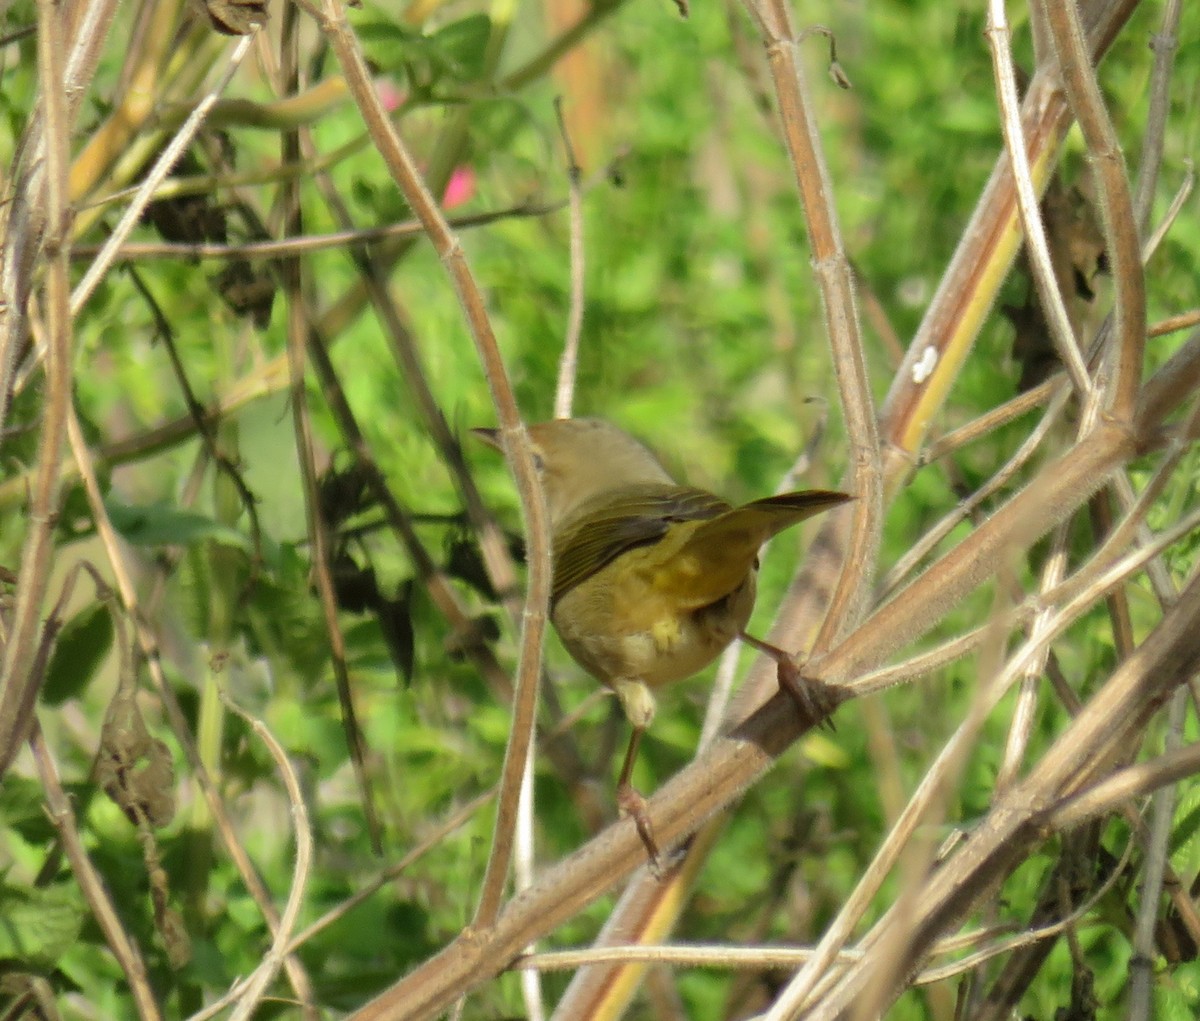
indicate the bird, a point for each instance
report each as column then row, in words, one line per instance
column 652, row 579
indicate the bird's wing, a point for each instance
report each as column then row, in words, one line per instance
column 624, row 520
column 757, row 521
column 717, row 554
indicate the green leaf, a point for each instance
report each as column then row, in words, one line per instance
column 38, row 926
column 370, row 32
column 78, row 653
column 23, row 808
column 462, row 45
column 158, row 524
column 457, row 50
column 1187, row 816
column 390, row 46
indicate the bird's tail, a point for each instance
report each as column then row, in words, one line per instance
column 717, row 555
column 773, row 514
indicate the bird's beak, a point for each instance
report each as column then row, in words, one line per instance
column 489, row 436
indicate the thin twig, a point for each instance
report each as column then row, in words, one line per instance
column 920, row 665
column 523, row 876
column 1021, row 727
column 1155, row 239
column 1053, row 306
column 1121, row 244
column 319, row 532
column 404, row 345
column 836, row 281
column 729, row 956
column 24, row 217
column 1183, row 321
column 687, row 954
column 162, row 166
column 278, row 952
column 364, row 891
column 403, row 168
column 987, row 423
column 1001, row 478
column 306, row 244
column 564, row 392
column 123, row 575
column 1101, row 798
column 1164, row 44
column 1141, row 964
column 18, row 683
column 204, row 426
column 128, row 956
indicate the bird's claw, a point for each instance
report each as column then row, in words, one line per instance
column 631, row 803
column 815, row 699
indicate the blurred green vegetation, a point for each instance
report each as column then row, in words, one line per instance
column 703, row 334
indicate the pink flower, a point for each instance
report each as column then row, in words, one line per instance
column 390, row 96
column 460, row 188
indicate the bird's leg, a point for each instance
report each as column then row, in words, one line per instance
column 631, row 802
column 815, row 699
column 639, row 707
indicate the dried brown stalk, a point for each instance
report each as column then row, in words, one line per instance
column 90, row 882
column 512, row 431
column 18, row 682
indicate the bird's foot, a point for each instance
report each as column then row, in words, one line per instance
column 815, row 699
column 631, row 803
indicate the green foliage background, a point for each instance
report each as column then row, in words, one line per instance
column 702, row 333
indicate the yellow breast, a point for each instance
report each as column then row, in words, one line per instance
column 622, row 624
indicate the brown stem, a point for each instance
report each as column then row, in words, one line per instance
column 25, row 216
column 1116, row 204
column 403, row 168
column 1164, row 44
column 128, row 956
column 291, row 271
column 836, row 281
column 18, row 683
column 1023, row 818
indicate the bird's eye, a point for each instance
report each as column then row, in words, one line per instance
column 538, row 463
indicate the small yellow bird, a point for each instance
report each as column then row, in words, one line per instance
column 652, row 580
